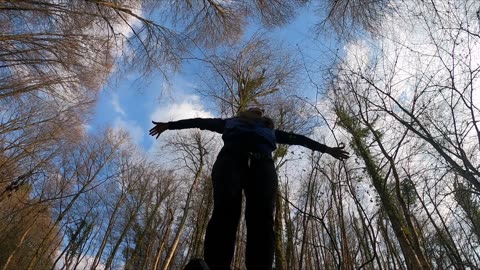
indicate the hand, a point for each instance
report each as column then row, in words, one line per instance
column 158, row 129
column 338, row 152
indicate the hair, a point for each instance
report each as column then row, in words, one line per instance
column 253, row 115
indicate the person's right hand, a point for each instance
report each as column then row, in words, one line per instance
column 158, row 129
column 338, row 152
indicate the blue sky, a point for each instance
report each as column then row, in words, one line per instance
column 131, row 103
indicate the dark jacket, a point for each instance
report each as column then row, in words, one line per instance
column 248, row 136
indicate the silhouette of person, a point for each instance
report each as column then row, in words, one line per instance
column 244, row 164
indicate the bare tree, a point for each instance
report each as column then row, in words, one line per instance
column 410, row 108
column 194, row 151
column 253, row 73
column 349, row 19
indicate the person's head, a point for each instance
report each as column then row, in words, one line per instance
column 256, row 111
column 251, row 113
column 255, row 114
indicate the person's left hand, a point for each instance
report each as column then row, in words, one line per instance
column 338, row 152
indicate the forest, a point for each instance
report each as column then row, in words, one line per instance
column 400, row 88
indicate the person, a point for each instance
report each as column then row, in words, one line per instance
column 244, row 164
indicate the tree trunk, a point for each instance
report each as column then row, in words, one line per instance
column 413, row 256
column 280, row 262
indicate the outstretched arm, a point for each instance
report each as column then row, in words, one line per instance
column 212, row 124
column 296, row 139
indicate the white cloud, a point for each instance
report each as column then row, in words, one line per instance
column 116, row 104
column 86, row 127
column 131, row 127
column 190, row 107
column 357, row 54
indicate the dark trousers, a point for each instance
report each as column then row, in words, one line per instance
column 232, row 173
